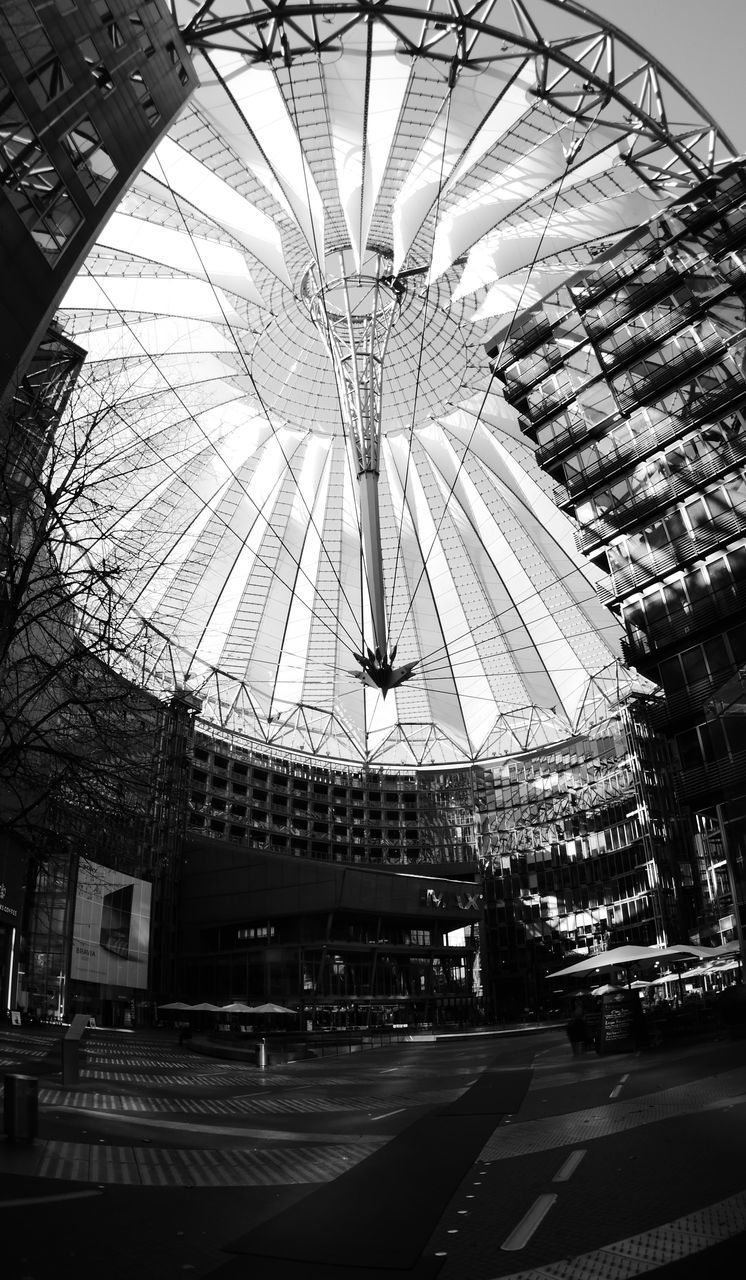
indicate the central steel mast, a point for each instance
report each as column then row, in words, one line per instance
column 354, row 312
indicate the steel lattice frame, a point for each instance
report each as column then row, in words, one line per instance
column 476, row 155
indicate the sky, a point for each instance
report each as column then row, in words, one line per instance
column 703, row 42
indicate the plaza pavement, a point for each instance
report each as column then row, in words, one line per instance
column 162, row 1162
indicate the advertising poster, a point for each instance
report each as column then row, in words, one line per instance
column 111, row 931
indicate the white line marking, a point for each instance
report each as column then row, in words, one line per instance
column 568, row 1168
column 70, row 1195
column 616, row 1091
column 386, row 1070
column 386, row 1114
column 624, row 1078
column 519, row 1238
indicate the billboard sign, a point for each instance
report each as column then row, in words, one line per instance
column 111, row 930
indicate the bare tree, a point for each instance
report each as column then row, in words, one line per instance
column 76, row 735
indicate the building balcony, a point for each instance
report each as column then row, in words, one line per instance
column 692, row 477
column 543, row 407
column 636, row 299
column 620, row 274
column 518, row 383
column 625, row 352
column 684, row 551
column 730, row 239
column 651, row 385
column 726, row 194
column 670, row 632
column 710, row 406
column 577, row 432
column 521, row 344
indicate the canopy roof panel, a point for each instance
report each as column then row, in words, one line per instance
column 289, row 312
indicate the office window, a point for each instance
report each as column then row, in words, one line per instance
column 32, row 50
column 177, row 63
column 99, row 70
column 94, row 164
column 24, row 35
column 152, row 114
column 32, row 184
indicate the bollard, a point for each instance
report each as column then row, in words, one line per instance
column 21, row 1108
column 261, row 1054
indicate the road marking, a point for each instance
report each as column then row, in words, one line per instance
column 70, row 1195
column 616, row 1091
column 387, row 1070
column 531, row 1220
column 386, row 1114
column 519, row 1238
column 568, row 1168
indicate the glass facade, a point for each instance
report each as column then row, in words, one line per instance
column 635, row 394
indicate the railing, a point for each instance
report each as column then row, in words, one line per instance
column 637, row 344
column 683, row 551
column 691, row 477
column 721, row 776
column 653, row 383
column 725, row 399
column 725, row 196
column 547, row 405
column 640, row 297
column 518, row 384
column 615, row 275
column 661, row 634
column 521, row 344
column 723, row 242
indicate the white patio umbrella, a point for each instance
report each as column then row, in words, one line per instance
column 624, row 957
column 237, row 1006
column 174, row 1005
column 206, row 1007
column 269, row 1007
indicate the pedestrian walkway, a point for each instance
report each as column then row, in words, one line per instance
column 521, row 1163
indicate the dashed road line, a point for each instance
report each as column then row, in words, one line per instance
column 566, row 1170
column 25, row 1201
column 529, row 1223
column 633, row 1256
column 523, row 1138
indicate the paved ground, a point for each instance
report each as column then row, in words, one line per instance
column 467, row 1160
